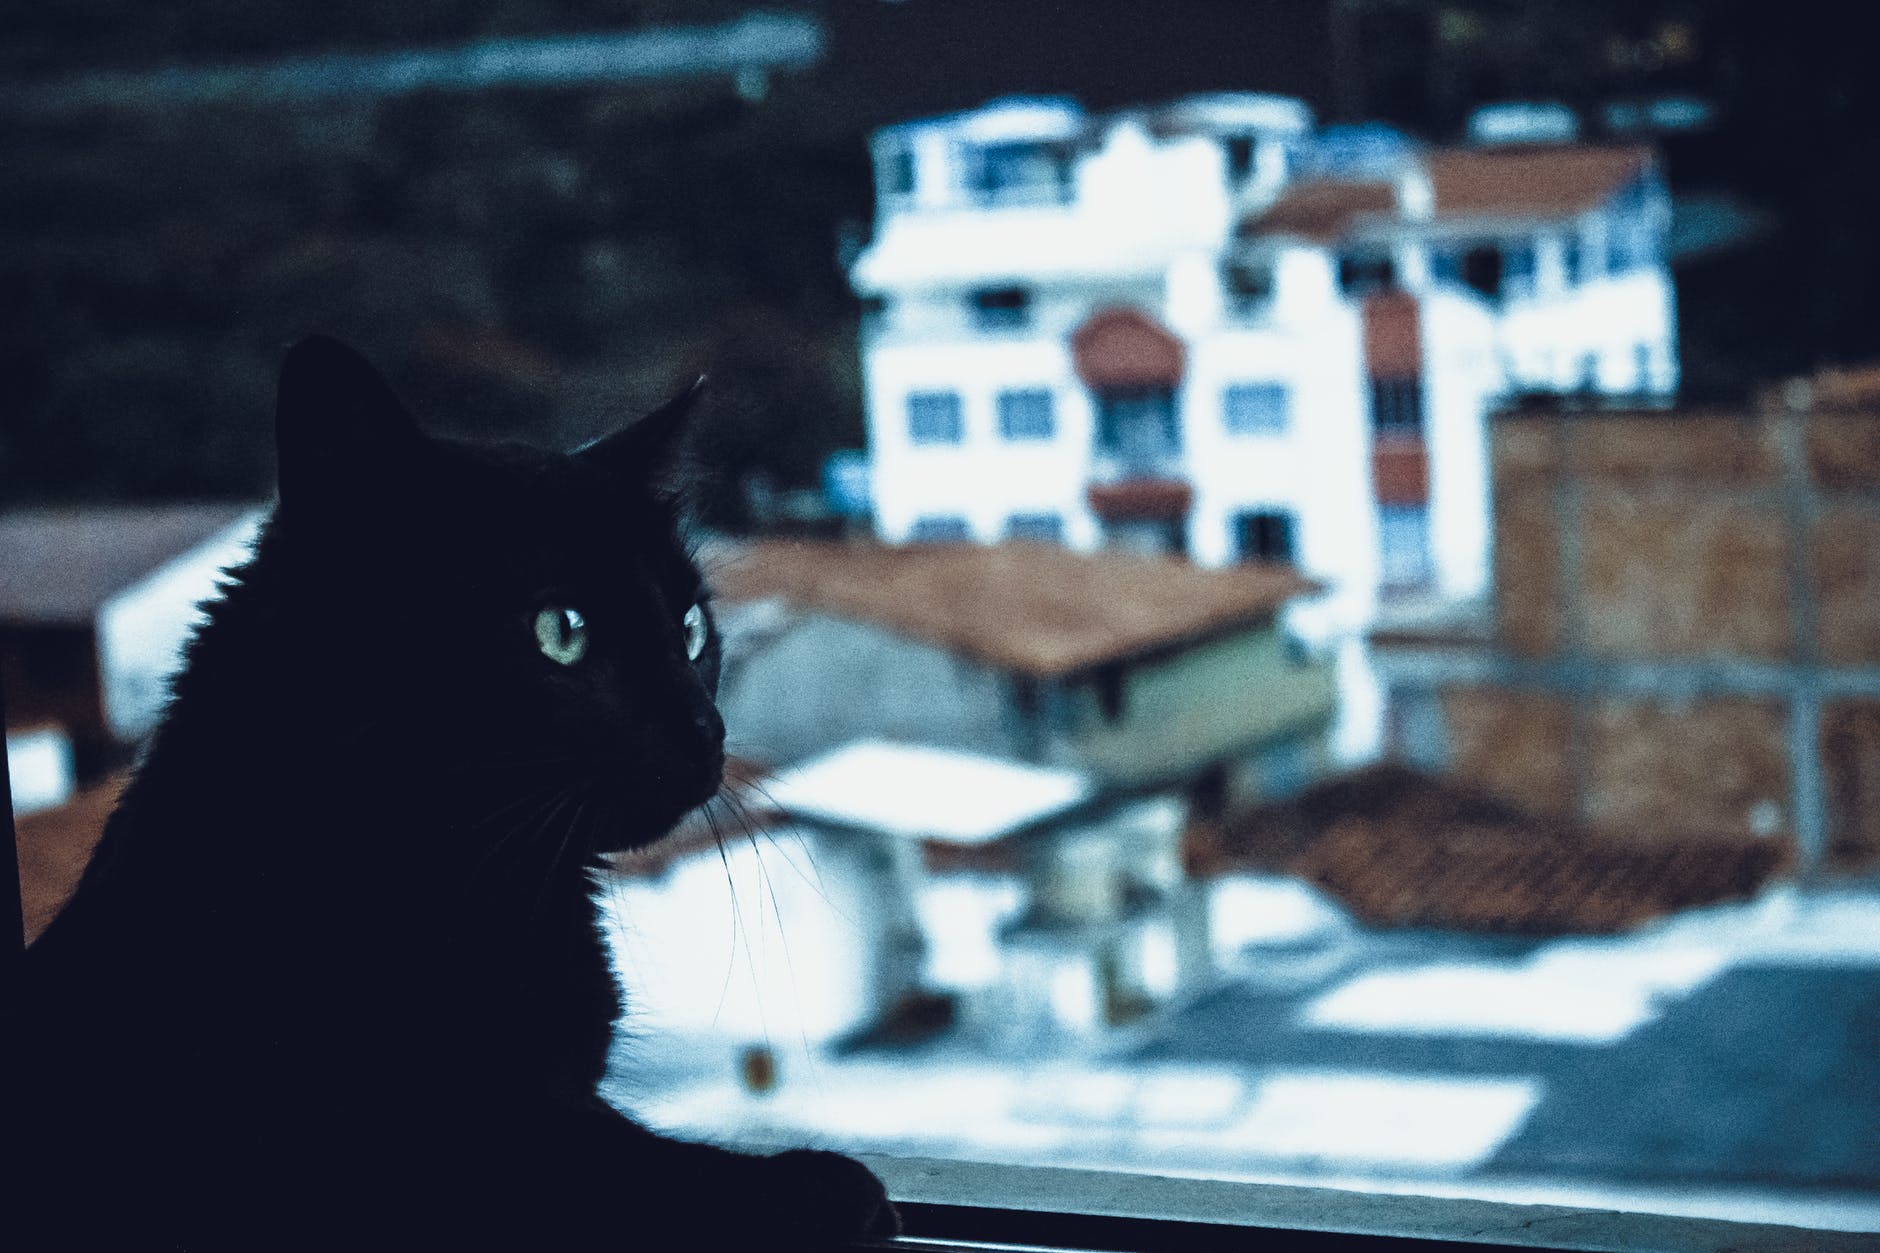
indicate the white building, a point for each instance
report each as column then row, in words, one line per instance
column 1204, row 329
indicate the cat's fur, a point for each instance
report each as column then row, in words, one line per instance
column 333, row 978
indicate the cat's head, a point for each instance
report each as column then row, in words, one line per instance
column 520, row 628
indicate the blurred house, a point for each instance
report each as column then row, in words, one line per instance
column 1206, row 329
column 1143, row 672
column 95, row 604
column 1685, row 634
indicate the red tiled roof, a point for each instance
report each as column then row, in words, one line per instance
column 1322, row 211
column 1525, row 182
column 1032, row 609
column 58, row 567
column 1404, row 849
column 1120, row 346
column 1536, row 182
column 54, row 847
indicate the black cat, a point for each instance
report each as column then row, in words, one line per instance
column 333, row 978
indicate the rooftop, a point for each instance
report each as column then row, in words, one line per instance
column 921, row 793
column 1031, row 609
column 58, row 567
column 1529, row 182
column 1405, row 849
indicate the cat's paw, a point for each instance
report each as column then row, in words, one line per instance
column 819, row 1200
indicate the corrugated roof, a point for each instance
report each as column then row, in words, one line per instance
column 58, row 567
column 1033, row 609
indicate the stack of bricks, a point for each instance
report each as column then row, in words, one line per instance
column 1686, row 634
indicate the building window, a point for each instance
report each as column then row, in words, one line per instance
column 1264, row 536
column 1404, row 545
column 1248, row 287
column 1397, row 406
column 1573, row 260
column 1001, row 308
column 935, row 418
column 1019, row 173
column 940, row 530
column 1517, row 269
column 1026, row 414
column 1138, row 425
column 897, row 171
column 1239, row 149
column 1254, row 408
column 1041, row 528
column 1482, row 269
column 1362, row 272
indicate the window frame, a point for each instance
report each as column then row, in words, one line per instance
column 951, row 1204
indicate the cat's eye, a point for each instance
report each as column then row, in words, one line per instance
column 695, row 632
column 561, row 633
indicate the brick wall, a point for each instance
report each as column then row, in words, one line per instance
column 1686, row 624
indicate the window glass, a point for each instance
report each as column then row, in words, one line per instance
column 1138, row 425
column 1397, row 406
column 1040, row 527
column 1000, row 308
column 1404, row 532
column 1264, row 535
column 935, row 418
column 1254, row 408
column 1026, row 414
column 1360, row 273
column 940, row 530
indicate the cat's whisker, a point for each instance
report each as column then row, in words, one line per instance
column 731, row 960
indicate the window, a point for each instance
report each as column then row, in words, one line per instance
column 1239, row 150
column 939, row 529
column 1573, row 260
column 1266, row 535
column 1404, row 544
column 1042, row 528
column 1482, row 269
column 1137, row 424
column 897, row 171
column 1019, row 173
column 1362, row 272
column 934, row 418
column 1254, row 408
column 1001, row 308
column 1517, row 268
column 1025, row 414
column 1397, row 406
column 1248, row 287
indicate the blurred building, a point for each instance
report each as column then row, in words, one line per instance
column 95, row 603
column 1685, row 633
column 1144, row 673
column 1207, row 329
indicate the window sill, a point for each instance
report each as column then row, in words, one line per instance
column 950, row 1204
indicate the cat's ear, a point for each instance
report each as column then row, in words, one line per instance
column 648, row 448
column 337, row 425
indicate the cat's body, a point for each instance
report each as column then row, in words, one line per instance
column 334, row 978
